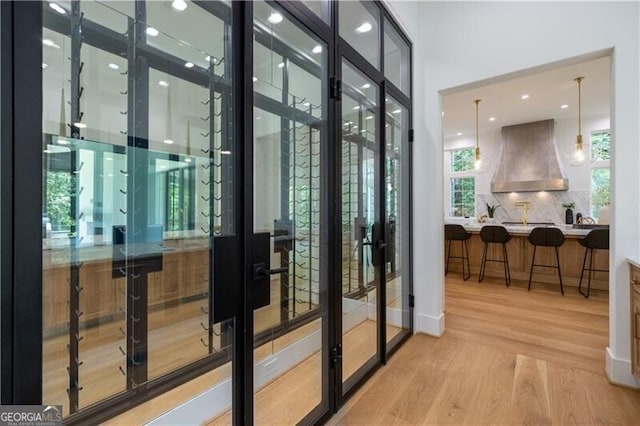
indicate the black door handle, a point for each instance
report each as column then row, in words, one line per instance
column 380, row 244
column 260, row 270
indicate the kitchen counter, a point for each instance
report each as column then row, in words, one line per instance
column 474, row 227
column 520, row 252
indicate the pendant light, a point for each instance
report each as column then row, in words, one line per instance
column 481, row 163
column 478, row 162
column 578, row 154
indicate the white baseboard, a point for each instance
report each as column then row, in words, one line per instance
column 216, row 400
column 433, row 326
column 618, row 371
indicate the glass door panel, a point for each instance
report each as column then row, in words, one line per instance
column 397, row 219
column 360, row 218
column 290, row 291
column 138, row 200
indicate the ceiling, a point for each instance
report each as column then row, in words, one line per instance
column 547, row 91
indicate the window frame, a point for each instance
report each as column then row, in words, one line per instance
column 449, row 175
column 598, row 165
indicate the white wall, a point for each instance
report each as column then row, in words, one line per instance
column 459, row 43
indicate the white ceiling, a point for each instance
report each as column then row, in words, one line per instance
column 547, row 91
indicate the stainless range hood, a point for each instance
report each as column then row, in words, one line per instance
column 529, row 160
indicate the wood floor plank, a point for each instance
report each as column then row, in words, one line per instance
column 530, row 399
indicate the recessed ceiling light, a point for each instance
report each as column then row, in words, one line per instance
column 254, row 79
column 179, row 5
column 50, row 43
column 188, row 65
column 307, row 104
column 492, row 119
column 357, row 107
column 152, row 32
column 57, row 8
column 317, row 49
column 366, row 86
column 168, row 141
column 364, row 28
column 281, row 65
column 80, row 125
column 187, row 160
column 397, row 111
column 44, row 66
column 225, row 152
column 525, row 96
column 459, row 134
column 564, row 106
column 108, row 158
column 369, row 117
column 163, row 83
column 114, row 66
column 258, row 118
column 355, row 127
column 275, row 18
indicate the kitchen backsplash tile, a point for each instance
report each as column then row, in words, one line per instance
column 545, row 206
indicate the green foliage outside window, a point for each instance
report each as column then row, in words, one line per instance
column 600, row 177
column 600, row 145
column 462, row 160
column 600, row 189
column 58, row 207
column 463, row 197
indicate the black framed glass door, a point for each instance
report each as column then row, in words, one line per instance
column 212, row 203
column 290, row 316
column 361, row 238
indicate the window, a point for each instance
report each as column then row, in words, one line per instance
column 463, row 196
column 600, row 173
column 462, row 160
column 462, row 185
column 180, row 199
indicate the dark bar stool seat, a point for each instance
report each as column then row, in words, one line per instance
column 458, row 233
column 491, row 234
column 598, row 239
column 546, row 237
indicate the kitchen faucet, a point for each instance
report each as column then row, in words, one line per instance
column 525, row 210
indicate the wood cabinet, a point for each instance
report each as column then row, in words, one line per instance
column 635, row 320
column 184, row 277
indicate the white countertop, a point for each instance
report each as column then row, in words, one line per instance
column 472, row 226
column 634, row 262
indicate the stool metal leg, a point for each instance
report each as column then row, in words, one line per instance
column 590, row 270
column 483, row 265
column 446, row 268
column 466, row 257
column 505, row 257
column 559, row 273
column 584, row 263
column 533, row 259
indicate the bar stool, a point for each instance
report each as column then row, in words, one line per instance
column 490, row 234
column 546, row 237
column 598, row 239
column 458, row 233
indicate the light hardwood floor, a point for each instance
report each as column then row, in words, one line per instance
column 508, row 356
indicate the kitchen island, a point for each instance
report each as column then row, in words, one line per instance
column 520, row 252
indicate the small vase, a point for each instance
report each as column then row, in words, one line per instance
column 568, row 217
column 491, row 220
